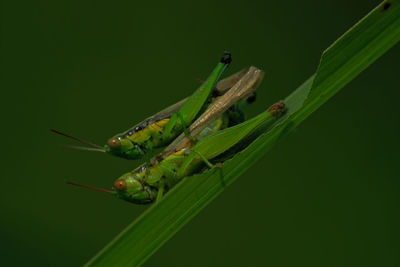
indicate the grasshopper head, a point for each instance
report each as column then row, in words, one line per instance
column 124, row 148
column 129, row 188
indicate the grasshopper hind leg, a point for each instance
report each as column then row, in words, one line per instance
column 217, row 165
column 185, row 128
column 207, row 162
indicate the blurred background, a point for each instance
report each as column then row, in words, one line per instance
column 325, row 196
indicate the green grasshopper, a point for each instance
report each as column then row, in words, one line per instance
column 149, row 182
column 146, row 184
column 160, row 129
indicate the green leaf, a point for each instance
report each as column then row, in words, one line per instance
column 340, row 63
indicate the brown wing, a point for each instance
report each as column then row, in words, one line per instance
column 244, row 87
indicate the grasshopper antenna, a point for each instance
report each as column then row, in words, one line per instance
column 91, row 187
column 77, row 139
column 83, row 148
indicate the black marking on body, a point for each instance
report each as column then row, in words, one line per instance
column 146, row 123
column 142, row 183
column 141, row 169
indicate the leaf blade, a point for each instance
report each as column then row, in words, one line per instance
column 340, row 63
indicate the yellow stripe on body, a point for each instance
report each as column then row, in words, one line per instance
column 178, row 153
column 151, row 130
column 161, row 123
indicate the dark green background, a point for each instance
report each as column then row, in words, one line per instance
column 325, row 196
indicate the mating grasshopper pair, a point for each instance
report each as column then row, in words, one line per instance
column 217, row 130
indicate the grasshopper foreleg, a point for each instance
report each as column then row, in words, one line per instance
column 161, row 189
column 149, row 153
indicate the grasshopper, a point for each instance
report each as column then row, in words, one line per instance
column 149, row 183
column 160, row 129
column 182, row 158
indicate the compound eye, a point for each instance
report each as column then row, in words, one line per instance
column 114, row 143
column 120, row 185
